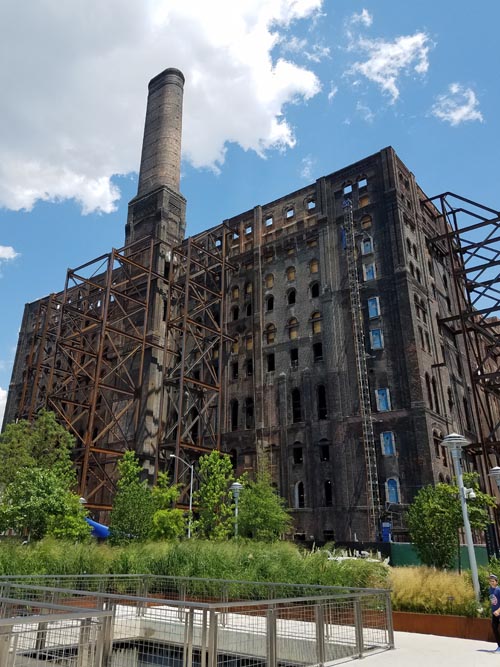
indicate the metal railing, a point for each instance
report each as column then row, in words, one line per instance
column 206, row 622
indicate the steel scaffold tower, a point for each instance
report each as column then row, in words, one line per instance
column 370, row 454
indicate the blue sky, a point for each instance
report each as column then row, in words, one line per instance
column 278, row 93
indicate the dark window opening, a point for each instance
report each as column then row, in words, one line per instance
column 248, row 309
column 321, row 396
column 234, row 416
column 324, row 453
column 315, row 290
column 236, row 313
column 298, row 457
column 296, row 406
column 291, row 297
column 328, row 494
column 249, row 367
column 294, row 356
column 270, row 363
column 234, row 370
column 436, row 397
column 318, row 351
column 300, row 497
column 233, row 455
column 249, row 413
column 270, row 303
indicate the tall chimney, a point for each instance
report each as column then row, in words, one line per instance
column 161, row 148
column 159, row 210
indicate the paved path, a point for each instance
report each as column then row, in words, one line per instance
column 414, row 650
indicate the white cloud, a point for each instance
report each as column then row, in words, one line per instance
column 3, row 402
column 74, row 96
column 363, row 18
column 7, row 252
column 365, row 112
column 458, row 105
column 333, row 91
column 306, row 168
column 388, row 61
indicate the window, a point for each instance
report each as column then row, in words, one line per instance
column 362, row 183
column 270, row 363
column 321, row 399
column 376, row 339
column 270, row 303
column 234, row 370
column 290, row 273
column 235, row 346
column 429, row 392
column 415, row 251
column 248, row 230
column 249, row 413
column 235, row 313
column 318, row 351
column 249, row 367
column 311, row 205
column 268, row 222
column 298, row 495
column 392, row 491
column 347, row 189
column 290, row 212
column 270, row 334
column 290, row 250
column 408, row 246
column 315, row 290
column 369, row 272
column 383, row 399
column 387, row 443
column 324, row 451
column 328, row 493
column 314, row 266
column 435, row 395
column 298, row 455
column 248, row 309
column 293, row 328
column 248, row 289
column 296, row 406
column 312, row 243
column 364, row 200
column 373, row 307
column 269, row 281
column 316, row 322
column 367, row 245
column 235, row 292
column 294, row 357
column 366, row 221
column 291, row 297
column 234, row 415
column 249, row 343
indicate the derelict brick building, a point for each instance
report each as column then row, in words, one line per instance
column 320, row 337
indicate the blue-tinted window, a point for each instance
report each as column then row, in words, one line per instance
column 366, row 246
column 369, row 272
column 383, row 398
column 373, row 307
column 376, row 339
column 387, row 441
column 392, row 491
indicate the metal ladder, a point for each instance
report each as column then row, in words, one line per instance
column 373, row 495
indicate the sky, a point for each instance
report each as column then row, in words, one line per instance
column 277, row 94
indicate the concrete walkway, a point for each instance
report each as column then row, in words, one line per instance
column 414, row 650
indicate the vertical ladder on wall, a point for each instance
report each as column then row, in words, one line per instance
column 373, row 495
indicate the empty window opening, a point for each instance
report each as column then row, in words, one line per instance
column 311, row 205
column 347, row 189
column 234, row 415
column 298, row 457
column 321, row 398
column 387, row 443
column 268, row 222
column 324, row 452
column 290, row 212
column 367, row 245
column 248, row 230
column 318, row 351
column 362, row 183
column 270, row 363
column 234, row 370
column 236, row 313
column 315, row 290
column 299, row 498
column 294, row 357
column 429, row 392
column 249, row 413
column 291, row 297
column 270, row 303
column 249, row 367
column 435, row 395
column 296, row 406
column 328, row 493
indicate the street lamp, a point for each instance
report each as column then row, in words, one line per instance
column 191, row 467
column 454, row 443
column 236, row 489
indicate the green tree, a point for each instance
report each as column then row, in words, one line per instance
column 133, row 505
column 435, row 517
column 167, row 523
column 38, row 501
column 261, row 511
column 215, row 507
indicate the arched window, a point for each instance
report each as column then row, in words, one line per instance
column 318, row 351
column 270, row 334
column 269, row 281
column 296, row 406
column 235, row 346
column 450, row 399
column 293, row 328
column 315, row 290
column 248, row 309
column 249, row 342
column 316, row 322
column 235, row 313
column 234, row 415
column 419, row 277
column 415, row 252
column 467, row 414
column 291, row 297
column 298, row 495
column 408, row 246
column 235, row 292
column 270, row 303
column 328, row 493
column 435, row 396
column 321, row 398
column 366, row 221
column 367, row 245
column 248, row 289
column 290, row 273
column 392, row 491
column 314, row 266
column 249, row 413
column 429, row 391
column 441, row 478
column 412, row 269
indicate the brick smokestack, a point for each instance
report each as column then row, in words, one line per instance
column 161, row 149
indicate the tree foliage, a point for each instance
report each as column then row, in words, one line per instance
column 167, row 523
column 262, row 514
column 214, row 498
column 435, row 517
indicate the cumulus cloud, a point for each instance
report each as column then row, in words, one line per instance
column 74, row 96
column 3, row 402
column 363, row 18
column 458, row 105
column 387, row 61
column 7, row 252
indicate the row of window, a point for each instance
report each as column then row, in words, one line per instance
column 291, row 299
column 392, row 493
column 268, row 221
column 290, row 274
column 270, row 366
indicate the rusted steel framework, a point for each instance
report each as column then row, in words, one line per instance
column 469, row 238
column 195, row 351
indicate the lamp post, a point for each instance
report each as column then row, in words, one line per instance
column 454, row 443
column 191, row 467
column 236, row 489
column 495, row 473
